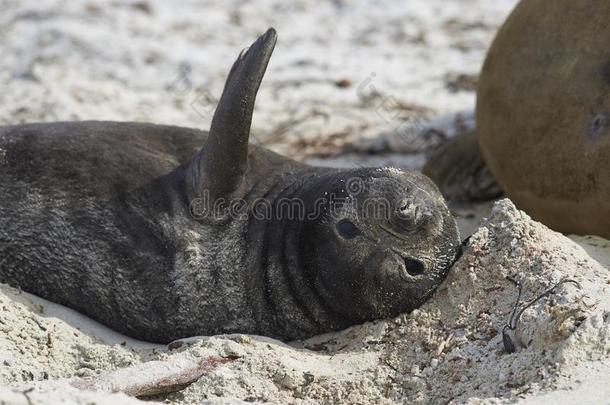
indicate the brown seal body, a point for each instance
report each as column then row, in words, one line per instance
column 543, row 112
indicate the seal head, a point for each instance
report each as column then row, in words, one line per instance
column 379, row 244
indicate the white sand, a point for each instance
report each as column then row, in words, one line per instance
column 448, row 350
column 152, row 60
column 161, row 62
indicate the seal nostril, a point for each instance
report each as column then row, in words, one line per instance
column 414, row 267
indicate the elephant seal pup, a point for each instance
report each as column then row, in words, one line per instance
column 134, row 226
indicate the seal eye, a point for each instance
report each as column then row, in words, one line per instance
column 414, row 267
column 347, row 229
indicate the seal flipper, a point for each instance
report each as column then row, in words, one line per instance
column 221, row 164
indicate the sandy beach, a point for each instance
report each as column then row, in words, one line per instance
column 352, row 83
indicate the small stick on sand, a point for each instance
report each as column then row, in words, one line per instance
column 146, row 379
column 153, row 377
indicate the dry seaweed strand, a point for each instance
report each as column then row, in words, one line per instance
column 509, row 345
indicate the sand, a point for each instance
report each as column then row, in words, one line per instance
column 351, row 83
column 361, row 75
column 448, row 350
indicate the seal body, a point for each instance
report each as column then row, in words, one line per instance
column 138, row 227
column 543, row 112
column 94, row 216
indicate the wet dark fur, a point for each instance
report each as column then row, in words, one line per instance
column 94, row 215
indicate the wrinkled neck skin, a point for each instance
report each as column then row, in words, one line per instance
column 244, row 274
column 288, row 306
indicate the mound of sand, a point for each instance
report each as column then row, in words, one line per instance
column 450, row 349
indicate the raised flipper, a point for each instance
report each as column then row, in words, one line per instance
column 221, row 164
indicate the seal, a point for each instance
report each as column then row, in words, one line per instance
column 543, row 113
column 543, row 119
column 142, row 229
